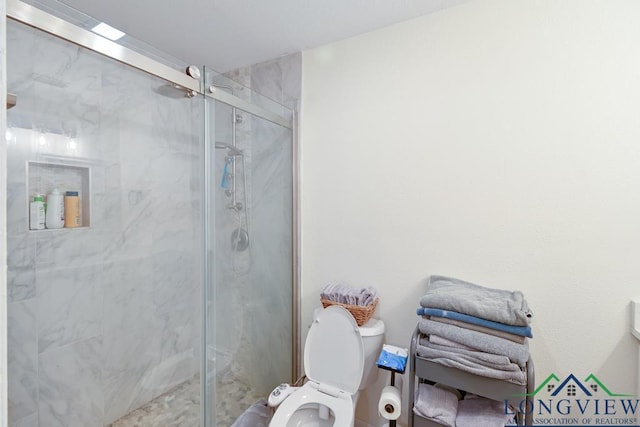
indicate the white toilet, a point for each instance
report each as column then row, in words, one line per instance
column 339, row 361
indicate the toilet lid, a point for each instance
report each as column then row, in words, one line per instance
column 333, row 351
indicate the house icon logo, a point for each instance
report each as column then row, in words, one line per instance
column 572, row 401
column 572, row 387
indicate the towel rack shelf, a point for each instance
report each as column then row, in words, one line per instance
column 423, row 422
column 422, row 370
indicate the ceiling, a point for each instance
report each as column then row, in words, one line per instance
column 227, row 34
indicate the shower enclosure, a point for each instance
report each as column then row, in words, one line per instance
column 173, row 302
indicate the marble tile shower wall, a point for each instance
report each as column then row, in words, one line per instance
column 265, row 289
column 101, row 319
column 231, row 268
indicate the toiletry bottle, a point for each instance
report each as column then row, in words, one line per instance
column 55, row 210
column 72, row 210
column 36, row 213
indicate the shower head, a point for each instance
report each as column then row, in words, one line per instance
column 232, row 151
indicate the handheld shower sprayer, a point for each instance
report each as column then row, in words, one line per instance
column 228, row 174
column 225, row 177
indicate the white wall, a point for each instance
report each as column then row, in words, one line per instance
column 496, row 142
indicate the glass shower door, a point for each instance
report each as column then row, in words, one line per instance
column 125, row 320
column 250, row 300
column 103, row 319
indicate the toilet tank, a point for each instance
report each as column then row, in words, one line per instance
column 372, row 334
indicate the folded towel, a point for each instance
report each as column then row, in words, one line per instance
column 518, row 353
column 348, row 295
column 524, row 331
column 463, row 297
column 257, row 415
column 477, row 363
column 450, row 389
column 496, row 361
column 506, row 335
column 475, row 411
column 437, row 339
column 436, row 404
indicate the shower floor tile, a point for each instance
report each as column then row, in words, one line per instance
column 234, row 397
column 180, row 407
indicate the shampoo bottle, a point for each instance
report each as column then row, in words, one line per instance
column 36, row 213
column 55, row 210
column 72, row 210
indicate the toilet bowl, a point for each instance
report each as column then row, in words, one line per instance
column 339, row 361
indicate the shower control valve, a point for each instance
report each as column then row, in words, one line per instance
column 279, row 394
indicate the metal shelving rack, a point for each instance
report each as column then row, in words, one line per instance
column 424, row 370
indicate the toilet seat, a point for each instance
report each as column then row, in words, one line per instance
column 333, row 363
column 334, row 352
column 341, row 408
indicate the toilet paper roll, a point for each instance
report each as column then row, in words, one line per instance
column 389, row 405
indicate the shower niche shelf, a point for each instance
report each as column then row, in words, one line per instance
column 44, row 177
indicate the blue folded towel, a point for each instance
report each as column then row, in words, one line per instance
column 524, row 331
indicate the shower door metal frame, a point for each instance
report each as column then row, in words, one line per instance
column 297, row 368
column 44, row 21
column 4, row 382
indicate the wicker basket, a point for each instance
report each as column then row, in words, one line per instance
column 361, row 313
